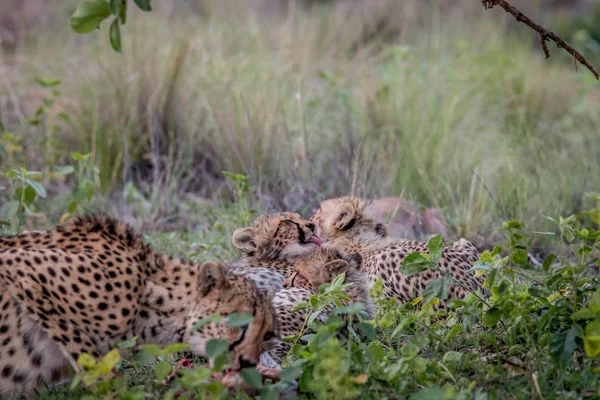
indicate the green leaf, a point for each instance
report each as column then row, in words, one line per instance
column 39, row 189
column 595, row 301
column 353, row 308
column 238, row 319
column 456, row 329
column 433, row 289
column 64, row 170
column 127, row 344
column 415, row 263
column 46, row 82
column 252, row 377
column 435, row 247
column 9, row 210
column 513, row 225
column 367, row 329
column 428, row 394
column 290, row 374
column 562, row 346
column 492, row 317
column 409, row 350
column 519, row 257
column 162, row 370
column 89, row 14
column 86, row 360
column 111, row 359
column 151, row 349
column 452, row 357
column 115, row 35
column 455, row 303
column 202, row 323
column 586, row 313
column 216, row 347
column 25, row 194
column 175, row 348
column 591, row 341
column 143, row 5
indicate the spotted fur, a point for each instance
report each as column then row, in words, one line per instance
column 347, row 224
column 92, row 282
column 323, row 266
column 274, row 242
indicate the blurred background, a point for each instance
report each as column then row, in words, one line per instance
column 442, row 104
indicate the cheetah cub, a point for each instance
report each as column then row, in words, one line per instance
column 323, row 266
column 271, row 246
column 347, row 224
column 320, row 267
column 93, row 282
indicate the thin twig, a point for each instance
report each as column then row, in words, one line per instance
column 544, row 33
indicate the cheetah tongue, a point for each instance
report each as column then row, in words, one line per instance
column 315, row 240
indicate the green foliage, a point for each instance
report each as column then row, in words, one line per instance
column 86, row 182
column 90, row 13
column 24, row 189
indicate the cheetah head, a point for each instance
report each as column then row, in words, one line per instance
column 280, row 236
column 321, row 267
column 215, row 290
column 349, row 218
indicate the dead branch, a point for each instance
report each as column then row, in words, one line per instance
column 544, row 33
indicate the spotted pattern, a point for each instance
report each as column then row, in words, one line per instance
column 92, row 282
column 347, row 225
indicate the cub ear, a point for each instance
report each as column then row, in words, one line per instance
column 212, row 276
column 243, row 239
column 382, row 229
column 335, row 267
column 345, row 218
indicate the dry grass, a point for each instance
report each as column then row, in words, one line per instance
column 438, row 103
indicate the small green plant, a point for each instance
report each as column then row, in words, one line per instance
column 24, row 189
column 87, row 177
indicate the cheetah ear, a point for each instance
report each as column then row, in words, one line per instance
column 345, row 218
column 382, row 229
column 335, row 267
column 243, row 238
column 211, row 276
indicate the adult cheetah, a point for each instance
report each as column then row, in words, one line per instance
column 92, row 282
column 347, row 224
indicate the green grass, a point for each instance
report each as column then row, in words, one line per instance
column 445, row 108
column 448, row 107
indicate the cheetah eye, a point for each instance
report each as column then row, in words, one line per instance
column 268, row 336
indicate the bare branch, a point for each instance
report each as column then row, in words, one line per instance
column 544, row 33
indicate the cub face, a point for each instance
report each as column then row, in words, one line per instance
column 347, row 217
column 281, row 236
column 320, row 267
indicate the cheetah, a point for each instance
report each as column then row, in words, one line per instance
column 348, row 225
column 323, row 266
column 93, row 282
column 271, row 246
column 319, row 267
